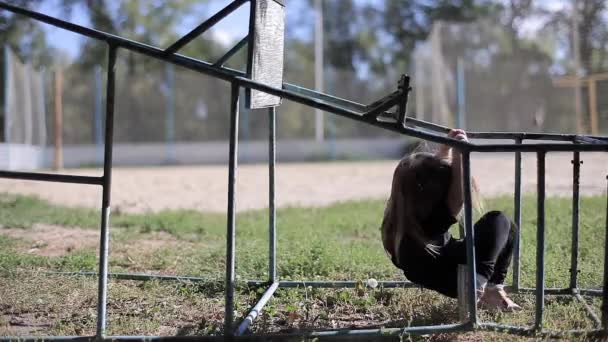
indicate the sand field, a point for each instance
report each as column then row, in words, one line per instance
column 204, row 188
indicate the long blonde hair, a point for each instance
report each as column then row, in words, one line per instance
column 420, row 181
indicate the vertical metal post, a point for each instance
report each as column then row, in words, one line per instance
column 461, row 94
column 605, row 286
column 319, row 77
column 578, row 96
column 540, row 242
column 469, row 237
column 576, row 171
column 517, row 220
column 272, row 248
column 58, row 119
column 98, row 113
column 8, row 99
column 102, row 289
column 170, row 113
column 231, row 224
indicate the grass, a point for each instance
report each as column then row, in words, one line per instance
column 340, row 242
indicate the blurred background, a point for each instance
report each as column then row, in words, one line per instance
column 483, row 65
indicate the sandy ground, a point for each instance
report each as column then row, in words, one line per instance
column 308, row 184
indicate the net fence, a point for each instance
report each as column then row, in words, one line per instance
column 24, row 114
column 475, row 75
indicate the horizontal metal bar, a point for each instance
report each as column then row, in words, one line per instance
column 511, row 135
column 518, row 330
column 111, row 338
column 325, row 97
column 197, row 31
column 422, row 330
column 523, row 331
column 255, row 311
column 594, row 317
column 589, row 292
column 50, row 177
column 236, row 48
column 344, row 284
column 549, row 291
column 589, row 140
column 559, row 291
column 140, row 277
column 540, row 148
column 282, row 284
column 47, row 338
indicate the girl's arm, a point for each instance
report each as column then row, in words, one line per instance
column 455, row 192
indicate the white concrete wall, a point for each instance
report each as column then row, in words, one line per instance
column 21, row 157
column 217, row 152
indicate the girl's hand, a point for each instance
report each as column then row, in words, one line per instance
column 458, row 134
column 455, row 194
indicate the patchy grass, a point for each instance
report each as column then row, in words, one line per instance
column 340, row 242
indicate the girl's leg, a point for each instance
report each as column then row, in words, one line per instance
column 492, row 234
column 498, row 237
column 504, row 259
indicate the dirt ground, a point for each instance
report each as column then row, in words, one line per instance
column 298, row 184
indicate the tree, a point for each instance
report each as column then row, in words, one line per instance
column 405, row 23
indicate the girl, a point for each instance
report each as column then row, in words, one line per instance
column 426, row 196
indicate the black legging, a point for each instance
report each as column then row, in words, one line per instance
column 494, row 238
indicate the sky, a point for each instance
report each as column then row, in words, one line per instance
column 226, row 32
column 229, row 30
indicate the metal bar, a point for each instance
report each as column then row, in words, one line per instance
column 589, row 140
column 506, row 328
column 384, row 103
column 506, row 135
column 591, row 292
column 592, row 315
column 576, row 170
column 283, row 284
column 605, row 283
column 540, row 147
column 8, row 98
column 422, row 330
column 272, row 213
column 232, row 52
column 360, row 333
column 49, row 177
column 517, row 219
column 325, row 97
column 276, row 337
column 143, row 277
column 231, row 229
column 548, row 291
column 525, row 331
column 540, row 243
column 355, row 116
column 250, row 46
column 404, row 87
column 469, row 237
column 255, row 311
column 197, row 31
column 107, row 191
column 344, row 284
